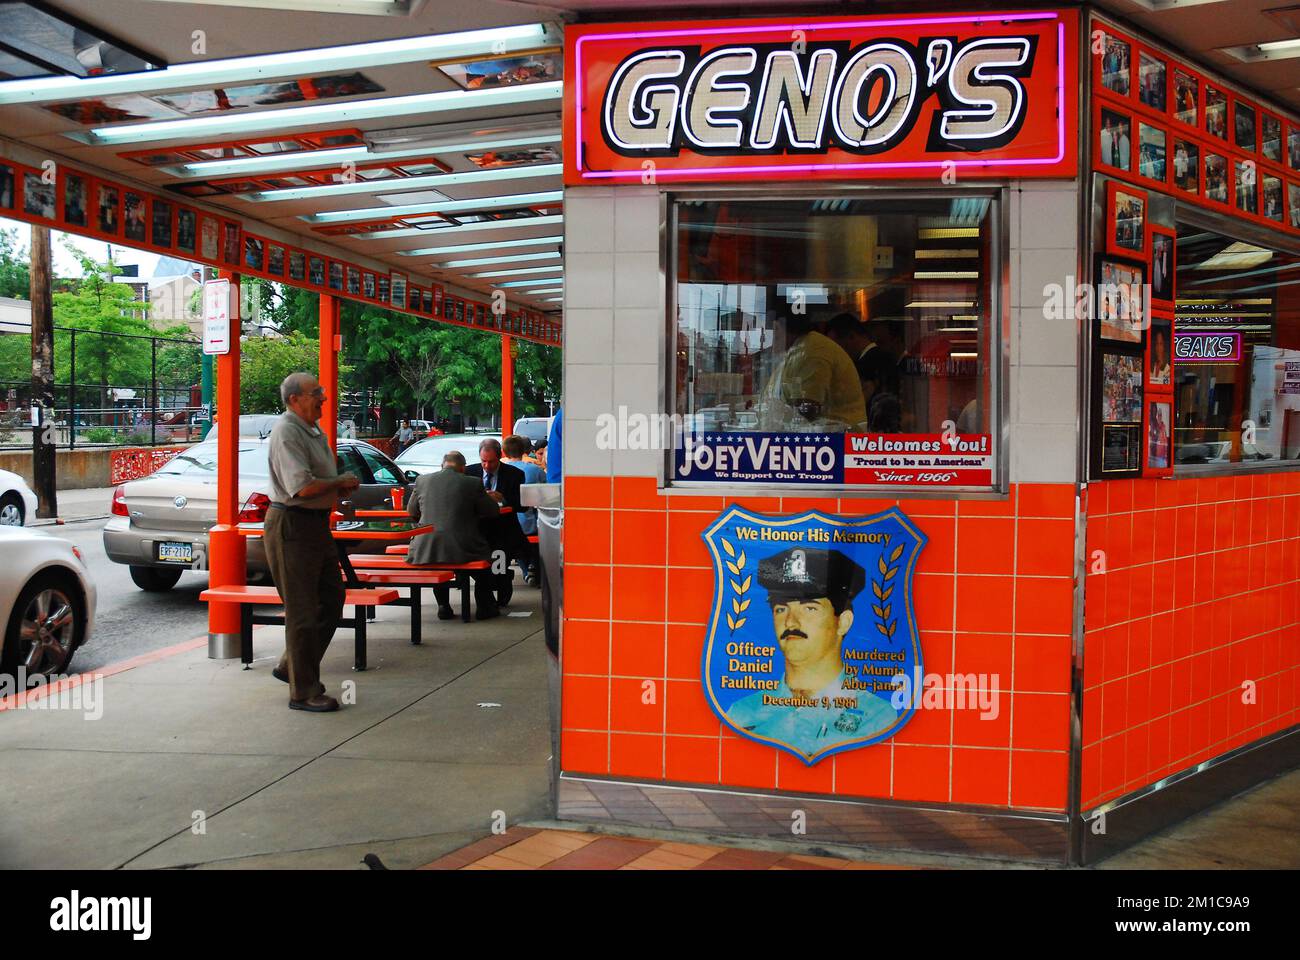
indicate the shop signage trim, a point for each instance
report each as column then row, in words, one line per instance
column 941, row 93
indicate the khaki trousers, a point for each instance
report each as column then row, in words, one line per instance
column 305, row 565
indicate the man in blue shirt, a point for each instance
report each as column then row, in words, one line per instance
column 513, row 450
column 555, row 449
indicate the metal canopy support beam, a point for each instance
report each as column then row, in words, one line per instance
column 507, row 384
column 227, row 551
column 328, row 375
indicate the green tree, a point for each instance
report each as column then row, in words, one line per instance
column 265, row 361
column 15, row 277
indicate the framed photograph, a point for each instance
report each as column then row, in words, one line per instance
column 1151, row 152
column 413, row 298
column 1116, row 66
column 1293, row 204
column 275, row 259
column 209, row 239
column 1152, row 81
column 1293, row 148
column 1163, row 266
column 1244, row 178
column 1270, row 139
column 1216, row 177
column 1128, row 219
column 354, row 280
column 6, row 187
column 38, row 197
column 162, row 223
column 316, row 271
column 1121, row 388
column 254, row 252
column 1272, row 197
column 1159, row 357
column 1187, row 97
column 1121, row 306
column 1114, row 140
column 1159, row 434
column 1244, row 126
column 75, row 200
column 230, row 243
column 368, row 285
column 397, row 284
column 529, row 67
column 135, row 217
column 460, row 310
column 383, row 288
column 336, row 275
column 297, row 265
column 1216, row 113
column 186, row 229
column 427, row 302
column 1187, row 166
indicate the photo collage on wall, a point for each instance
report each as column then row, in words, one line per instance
column 1163, row 123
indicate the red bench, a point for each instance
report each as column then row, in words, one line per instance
column 416, row 579
column 366, row 562
column 248, row 597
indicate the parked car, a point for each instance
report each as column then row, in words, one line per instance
column 535, row 429
column 261, row 425
column 426, row 455
column 159, row 524
column 17, row 501
column 47, row 602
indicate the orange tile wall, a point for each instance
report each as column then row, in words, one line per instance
column 994, row 594
column 1197, row 594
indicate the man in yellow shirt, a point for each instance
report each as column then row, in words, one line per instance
column 815, row 386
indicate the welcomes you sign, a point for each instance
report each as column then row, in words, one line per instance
column 993, row 94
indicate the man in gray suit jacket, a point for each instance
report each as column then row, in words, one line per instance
column 454, row 504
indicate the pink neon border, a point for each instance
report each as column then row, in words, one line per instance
column 818, row 167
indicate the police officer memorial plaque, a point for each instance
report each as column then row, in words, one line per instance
column 812, row 643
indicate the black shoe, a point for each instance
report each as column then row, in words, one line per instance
column 506, row 591
column 445, row 612
column 282, row 677
column 317, row 704
column 490, row 613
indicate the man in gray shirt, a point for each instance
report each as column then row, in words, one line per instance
column 305, row 484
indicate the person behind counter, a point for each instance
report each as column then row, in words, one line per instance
column 815, row 385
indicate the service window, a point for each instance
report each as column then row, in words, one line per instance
column 842, row 341
column 1236, row 350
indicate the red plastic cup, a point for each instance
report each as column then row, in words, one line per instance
column 399, row 494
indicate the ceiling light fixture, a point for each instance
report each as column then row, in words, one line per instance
column 475, row 247
column 530, row 283
column 487, row 261
column 483, row 203
column 288, row 118
column 520, row 271
column 391, row 184
column 549, row 220
column 497, row 41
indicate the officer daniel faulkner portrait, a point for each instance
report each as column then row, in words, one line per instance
column 817, row 677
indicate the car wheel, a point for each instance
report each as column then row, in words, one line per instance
column 12, row 513
column 155, row 579
column 47, row 625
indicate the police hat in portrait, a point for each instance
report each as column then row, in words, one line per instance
column 803, row 574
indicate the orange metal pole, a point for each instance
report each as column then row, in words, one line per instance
column 328, row 375
column 507, row 386
column 227, row 553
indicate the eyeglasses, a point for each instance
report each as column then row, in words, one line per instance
column 318, row 393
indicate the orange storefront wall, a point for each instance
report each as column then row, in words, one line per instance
column 994, row 595
column 1191, row 591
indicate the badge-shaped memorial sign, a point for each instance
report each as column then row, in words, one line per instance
column 812, row 621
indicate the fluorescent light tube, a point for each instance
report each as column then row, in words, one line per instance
column 475, row 247
column 483, row 203
column 399, row 184
column 529, row 283
column 494, row 42
column 946, row 275
column 485, row 261
column 552, row 219
column 938, row 303
column 288, row 118
column 520, row 271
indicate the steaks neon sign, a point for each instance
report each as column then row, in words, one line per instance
column 875, row 97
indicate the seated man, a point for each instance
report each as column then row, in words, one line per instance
column 454, row 504
column 514, row 451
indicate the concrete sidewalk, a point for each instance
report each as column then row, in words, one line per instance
column 89, row 504
column 197, row 762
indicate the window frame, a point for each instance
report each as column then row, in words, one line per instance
column 999, row 316
column 1247, row 231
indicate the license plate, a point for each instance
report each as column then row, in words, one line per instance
column 172, row 552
